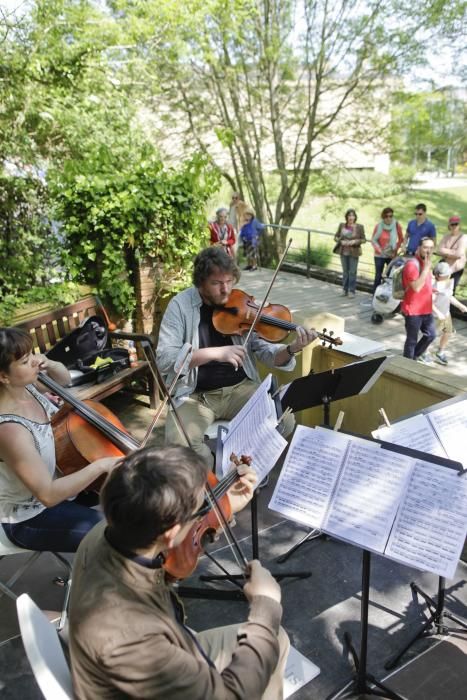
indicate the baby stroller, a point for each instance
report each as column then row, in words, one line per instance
column 383, row 303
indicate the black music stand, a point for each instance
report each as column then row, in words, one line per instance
column 435, row 622
column 363, row 683
column 238, row 579
column 323, row 388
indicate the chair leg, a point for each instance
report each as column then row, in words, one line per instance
column 5, row 588
column 66, row 598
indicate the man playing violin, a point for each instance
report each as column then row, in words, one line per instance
column 220, row 372
column 128, row 636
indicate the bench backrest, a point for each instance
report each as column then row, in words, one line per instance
column 47, row 329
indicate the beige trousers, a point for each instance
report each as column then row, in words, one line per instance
column 220, row 643
column 203, row 408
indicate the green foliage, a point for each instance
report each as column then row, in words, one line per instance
column 320, row 255
column 428, row 129
column 54, row 295
column 28, row 243
column 123, row 213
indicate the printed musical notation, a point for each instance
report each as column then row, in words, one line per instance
column 253, row 432
column 409, row 510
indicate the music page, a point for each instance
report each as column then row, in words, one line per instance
column 431, row 525
column 253, row 432
column 309, row 475
column 416, row 433
column 450, row 424
column 367, row 495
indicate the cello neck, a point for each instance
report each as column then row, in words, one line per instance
column 122, row 440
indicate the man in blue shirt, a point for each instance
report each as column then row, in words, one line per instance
column 418, row 228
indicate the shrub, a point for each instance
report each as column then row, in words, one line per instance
column 320, row 255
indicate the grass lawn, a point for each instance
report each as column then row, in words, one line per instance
column 325, row 213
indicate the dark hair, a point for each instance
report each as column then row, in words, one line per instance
column 150, row 491
column 349, row 212
column 209, row 261
column 387, row 210
column 14, row 344
column 421, row 206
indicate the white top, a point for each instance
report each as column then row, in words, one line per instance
column 16, row 501
column 442, row 299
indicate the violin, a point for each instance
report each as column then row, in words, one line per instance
column 182, row 560
column 274, row 323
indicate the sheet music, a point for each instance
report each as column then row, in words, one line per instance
column 367, row 495
column 450, row 424
column 309, row 475
column 263, row 412
column 431, row 525
column 416, row 433
column 298, row 672
column 253, row 432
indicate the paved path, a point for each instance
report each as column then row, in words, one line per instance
column 313, row 296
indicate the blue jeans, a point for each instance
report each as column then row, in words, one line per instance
column 57, row 529
column 379, row 268
column 349, row 273
column 425, row 324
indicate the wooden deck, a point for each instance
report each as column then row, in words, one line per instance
column 314, row 296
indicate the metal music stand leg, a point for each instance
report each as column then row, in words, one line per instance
column 435, row 620
column 363, row 683
column 278, row 575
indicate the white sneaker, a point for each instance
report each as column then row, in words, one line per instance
column 425, row 359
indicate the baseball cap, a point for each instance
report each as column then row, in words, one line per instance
column 454, row 220
column 442, row 269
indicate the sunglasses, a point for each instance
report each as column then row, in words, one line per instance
column 453, row 225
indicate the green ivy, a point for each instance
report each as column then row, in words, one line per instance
column 115, row 214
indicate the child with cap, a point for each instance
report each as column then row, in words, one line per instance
column 452, row 249
column 443, row 297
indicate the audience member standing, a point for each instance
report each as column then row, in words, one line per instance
column 386, row 240
column 452, row 248
column 443, row 291
column 349, row 239
column 418, row 228
column 250, row 235
column 237, row 212
column 417, row 303
column 222, row 233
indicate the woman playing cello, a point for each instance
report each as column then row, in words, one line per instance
column 35, row 512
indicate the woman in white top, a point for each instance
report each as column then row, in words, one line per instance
column 35, row 512
column 452, row 249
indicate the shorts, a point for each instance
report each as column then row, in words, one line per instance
column 444, row 325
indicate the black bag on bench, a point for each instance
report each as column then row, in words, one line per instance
column 80, row 349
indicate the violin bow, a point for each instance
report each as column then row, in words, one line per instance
column 263, row 303
column 167, row 394
column 227, row 530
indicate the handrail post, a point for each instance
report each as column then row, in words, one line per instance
column 308, row 253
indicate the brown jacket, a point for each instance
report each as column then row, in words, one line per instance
column 357, row 238
column 126, row 642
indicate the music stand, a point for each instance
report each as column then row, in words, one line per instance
column 435, row 608
column 238, row 579
column 323, row 388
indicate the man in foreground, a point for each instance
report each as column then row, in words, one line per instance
column 127, row 631
column 220, row 372
column 417, row 304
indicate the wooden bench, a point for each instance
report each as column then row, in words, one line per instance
column 48, row 328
